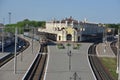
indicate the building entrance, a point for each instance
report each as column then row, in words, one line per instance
column 69, row 37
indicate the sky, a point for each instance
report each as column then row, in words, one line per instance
column 99, row 11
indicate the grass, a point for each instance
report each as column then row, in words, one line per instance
column 110, row 64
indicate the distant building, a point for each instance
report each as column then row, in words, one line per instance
column 69, row 29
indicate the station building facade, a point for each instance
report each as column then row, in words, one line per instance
column 70, row 29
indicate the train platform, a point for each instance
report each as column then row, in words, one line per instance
column 24, row 60
column 104, row 50
column 60, row 67
column 2, row 55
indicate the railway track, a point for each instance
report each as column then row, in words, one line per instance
column 41, row 64
column 100, row 72
column 36, row 71
column 11, row 56
column 113, row 47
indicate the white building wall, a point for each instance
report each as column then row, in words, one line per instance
column 88, row 27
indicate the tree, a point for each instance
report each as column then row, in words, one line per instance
column 115, row 26
column 26, row 23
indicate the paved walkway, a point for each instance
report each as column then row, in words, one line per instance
column 3, row 55
column 7, row 71
column 104, row 50
column 58, row 66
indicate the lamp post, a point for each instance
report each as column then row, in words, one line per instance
column 69, row 54
column 104, row 37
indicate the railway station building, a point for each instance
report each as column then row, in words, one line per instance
column 70, row 29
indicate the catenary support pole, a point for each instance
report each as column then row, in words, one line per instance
column 15, row 52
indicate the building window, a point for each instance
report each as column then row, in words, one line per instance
column 59, row 38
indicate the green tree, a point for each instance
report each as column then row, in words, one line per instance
column 25, row 24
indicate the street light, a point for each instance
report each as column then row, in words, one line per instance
column 104, row 37
column 69, row 54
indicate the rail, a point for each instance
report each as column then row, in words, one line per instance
column 11, row 55
column 31, row 70
column 100, row 72
column 113, row 47
column 36, row 69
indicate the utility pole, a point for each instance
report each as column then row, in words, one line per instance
column 3, row 36
column 104, row 38
column 15, row 53
column 118, row 55
column 9, row 17
column 32, row 38
column 104, row 34
column 3, row 40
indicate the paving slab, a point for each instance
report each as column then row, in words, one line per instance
column 2, row 55
column 58, row 64
column 104, row 50
column 7, row 70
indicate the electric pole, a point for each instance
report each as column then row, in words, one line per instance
column 9, row 17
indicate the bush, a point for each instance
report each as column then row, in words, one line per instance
column 76, row 46
column 60, row 46
column 68, row 44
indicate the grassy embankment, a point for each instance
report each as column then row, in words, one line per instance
column 110, row 64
